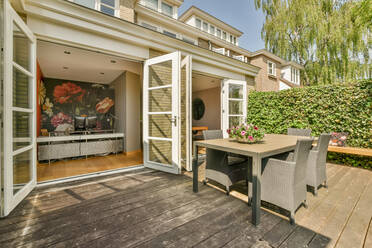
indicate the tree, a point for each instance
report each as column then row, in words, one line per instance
column 330, row 38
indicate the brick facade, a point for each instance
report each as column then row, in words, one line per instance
column 264, row 82
column 127, row 10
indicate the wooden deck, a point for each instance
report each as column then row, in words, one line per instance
column 154, row 209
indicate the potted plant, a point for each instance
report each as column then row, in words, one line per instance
column 246, row 133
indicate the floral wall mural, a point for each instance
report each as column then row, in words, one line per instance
column 61, row 100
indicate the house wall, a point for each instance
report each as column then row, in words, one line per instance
column 128, row 109
column 127, row 10
column 283, row 86
column 264, row 82
column 212, row 102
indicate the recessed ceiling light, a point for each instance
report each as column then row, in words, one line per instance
column 113, row 61
column 65, row 67
column 102, row 73
column 67, row 52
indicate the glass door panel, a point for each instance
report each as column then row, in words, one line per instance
column 19, row 110
column 161, row 113
column 234, row 104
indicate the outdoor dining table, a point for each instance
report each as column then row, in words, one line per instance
column 272, row 144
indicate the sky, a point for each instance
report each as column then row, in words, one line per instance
column 240, row 14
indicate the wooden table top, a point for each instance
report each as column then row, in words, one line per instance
column 271, row 144
column 199, row 128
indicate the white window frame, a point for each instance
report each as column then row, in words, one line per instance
column 201, row 23
column 219, row 36
column 210, row 29
column 224, row 35
column 205, row 30
column 273, row 68
column 161, row 8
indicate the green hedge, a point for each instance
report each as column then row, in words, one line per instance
column 333, row 108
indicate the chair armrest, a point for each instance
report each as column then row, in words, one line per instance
column 279, row 168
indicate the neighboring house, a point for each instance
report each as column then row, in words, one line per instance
column 65, row 60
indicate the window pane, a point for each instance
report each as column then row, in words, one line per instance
column 22, row 164
column 21, row 48
column 169, row 34
column 160, row 74
column 86, row 3
column 235, row 107
column 219, row 33
column 146, row 25
column 235, row 121
column 236, row 91
column 205, row 26
column 21, row 89
column 160, row 126
column 109, row 2
column 198, row 23
column 224, row 35
column 21, row 130
column 107, row 10
column 153, row 4
column 160, row 151
column 160, row 100
column 167, row 9
column 212, row 30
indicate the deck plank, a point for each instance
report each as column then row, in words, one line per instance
column 355, row 231
column 156, row 209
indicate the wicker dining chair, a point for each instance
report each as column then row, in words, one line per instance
column 283, row 182
column 299, row 132
column 316, row 163
column 223, row 167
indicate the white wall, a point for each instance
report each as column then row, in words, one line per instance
column 286, row 73
column 212, row 102
column 283, row 86
column 128, row 109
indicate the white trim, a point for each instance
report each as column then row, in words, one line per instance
column 160, row 138
column 273, row 68
column 160, row 87
column 90, row 175
column 23, row 70
column 11, row 200
column 225, row 99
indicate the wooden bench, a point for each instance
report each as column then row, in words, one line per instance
column 351, row 150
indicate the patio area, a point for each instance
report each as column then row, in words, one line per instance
column 147, row 208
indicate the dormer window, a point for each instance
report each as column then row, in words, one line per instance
column 205, row 26
column 219, row 33
column 212, row 29
column 271, row 68
column 295, row 75
column 166, row 9
column 224, row 35
column 198, row 23
column 152, row 4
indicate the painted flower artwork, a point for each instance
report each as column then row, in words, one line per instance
column 104, row 105
column 63, row 100
column 68, row 93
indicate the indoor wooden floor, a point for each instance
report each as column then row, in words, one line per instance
column 146, row 208
column 68, row 168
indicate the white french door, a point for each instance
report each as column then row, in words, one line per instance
column 234, row 103
column 19, row 101
column 161, row 113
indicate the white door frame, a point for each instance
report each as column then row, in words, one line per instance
column 225, row 112
column 187, row 63
column 175, row 168
column 12, row 200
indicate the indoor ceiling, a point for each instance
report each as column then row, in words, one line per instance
column 202, row 82
column 69, row 63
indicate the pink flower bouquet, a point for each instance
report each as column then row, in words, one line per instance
column 246, row 133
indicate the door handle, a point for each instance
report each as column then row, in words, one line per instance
column 174, row 120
